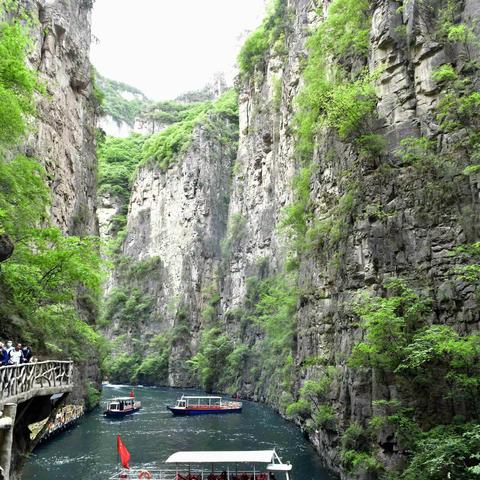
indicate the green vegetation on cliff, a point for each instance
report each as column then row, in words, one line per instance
column 165, row 146
column 48, row 273
column 432, row 417
column 271, row 35
column 121, row 101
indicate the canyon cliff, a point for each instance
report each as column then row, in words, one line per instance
column 249, row 266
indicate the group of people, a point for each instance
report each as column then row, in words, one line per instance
column 10, row 355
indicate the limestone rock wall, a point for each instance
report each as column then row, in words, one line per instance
column 64, row 134
column 412, row 240
column 179, row 216
column 264, row 170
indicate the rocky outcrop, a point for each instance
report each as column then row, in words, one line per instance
column 64, row 137
column 401, row 221
column 6, row 247
column 63, row 134
column 176, row 220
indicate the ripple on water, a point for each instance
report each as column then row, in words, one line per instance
column 89, row 451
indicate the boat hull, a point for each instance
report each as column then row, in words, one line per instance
column 120, row 414
column 203, row 411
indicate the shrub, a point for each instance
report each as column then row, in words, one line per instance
column 301, row 408
column 389, row 323
column 329, row 96
column 324, row 417
column 270, row 35
column 17, row 82
column 93, row 396
column 446, row 452
column 117, row 160
column 208, row 364
column 253, row 50
column 165, row 146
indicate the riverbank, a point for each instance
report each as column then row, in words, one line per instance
column 67, row 417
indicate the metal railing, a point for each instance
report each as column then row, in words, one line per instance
column 30, row 378
column 156, row 474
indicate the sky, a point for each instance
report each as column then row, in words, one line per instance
column 168, row 47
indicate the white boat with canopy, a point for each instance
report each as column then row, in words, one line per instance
column 201, row 405
column 218, row 465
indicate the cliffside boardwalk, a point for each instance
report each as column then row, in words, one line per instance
column 25, row 395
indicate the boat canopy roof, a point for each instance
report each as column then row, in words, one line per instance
column 120, row 399
column 201, row 397
column 252, row 456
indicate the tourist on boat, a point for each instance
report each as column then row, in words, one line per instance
column 15, row 357
column 27, row 354
column 3, row 355
column 223, row 475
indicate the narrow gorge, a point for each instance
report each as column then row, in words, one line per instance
column 308, row 238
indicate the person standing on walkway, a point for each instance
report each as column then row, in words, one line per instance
column 27, row 354
column 15, row 357
column 3, row 355
column 9, row 347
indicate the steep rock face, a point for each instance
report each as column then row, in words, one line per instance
column 176, row 220
column 413, row 238
column 411, row 235
column 64, row 137
column 402, row 222
column 264, row 168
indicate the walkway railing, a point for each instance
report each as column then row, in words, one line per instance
column 31, row 379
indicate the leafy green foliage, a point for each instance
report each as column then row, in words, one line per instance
column 93, row 396
column 440, row 348
column 420, row 357
column 446, row 452
column 127, row 306
column 166, row 113
column 165, row 146
column 118, row 159
column 313, row 402
column 208, row 363
column 346, row 29
column 121, row 101
column 23, row 195
column 253, row 51
column 17, row 82
column 271, row 304
column 330, row 96
column 49, row 273
column 270, row 35
column 390, row 323
column 154, row 366
column 356, row 453
column 42, row 280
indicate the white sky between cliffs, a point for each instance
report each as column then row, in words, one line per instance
column 168, row 47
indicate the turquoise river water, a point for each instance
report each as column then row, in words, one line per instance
column 88, row 451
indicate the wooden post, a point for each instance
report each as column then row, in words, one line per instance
column 6, row 439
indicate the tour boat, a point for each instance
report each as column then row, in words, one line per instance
column 195, row 405
column 121, row 406
column 219, row 465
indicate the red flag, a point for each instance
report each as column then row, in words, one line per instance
column 123, row 452
column 132, row 393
